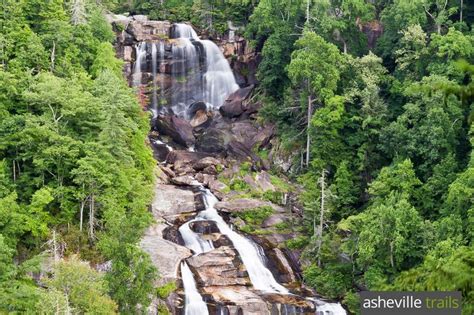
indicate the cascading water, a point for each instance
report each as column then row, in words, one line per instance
column 219, row 79
column 154, row 64
column 140, row 55
column 211, row 81
column 195, row 305
column 251, row 254
column 262, row 279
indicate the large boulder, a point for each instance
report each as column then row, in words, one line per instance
column 170, row 200
column 182, row 158
column 213, row 140
column 238, row 300
column 234, row 105
column 177, row 128
column 219, row 267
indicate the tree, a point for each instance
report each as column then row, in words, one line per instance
column 84, row 288
column 314, row 70
column 341, row 21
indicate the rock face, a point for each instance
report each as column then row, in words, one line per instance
column 164, row 254
column 170, row 201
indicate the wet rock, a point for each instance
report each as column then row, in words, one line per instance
column 213, row 140
column 238, row 300
column 199, row 119
column 219, row 267
column 195, row 107
column 294, row 304
column 204, row 227
column 285, row 271
column 177, row 128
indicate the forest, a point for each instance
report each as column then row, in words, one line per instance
column 372, row 100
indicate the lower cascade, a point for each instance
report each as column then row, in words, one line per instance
column 253, row 259
column 195, row 305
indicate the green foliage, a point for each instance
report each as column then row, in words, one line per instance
column 84, row 287
column 165, row 290
column 72, row 137
column 297, row 243
column 333, row 280
column 255, row 216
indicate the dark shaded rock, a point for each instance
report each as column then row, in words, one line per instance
column 204, row 227
column 206, row 162
column 263, row 136
column 234, row 106
column 211, row 170
column 244, row 132
column 195, row 107
column 213, row 140
column 181, row 158
column 177, row 128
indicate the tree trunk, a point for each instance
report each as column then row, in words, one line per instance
column 392, row 262
column 461, row 11
column 345, row 46
column 91, row 216
column 53, row 52
column 308, row 2
column 308, row 135
column 81, row 213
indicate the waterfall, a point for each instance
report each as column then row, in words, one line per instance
column 154, row 98
column 140, row 53
column 162, row 60
column 195, row 305
column 210, row 81
column 219, row 79
column 193, row 241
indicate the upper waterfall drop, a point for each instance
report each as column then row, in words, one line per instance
column 212, row 81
